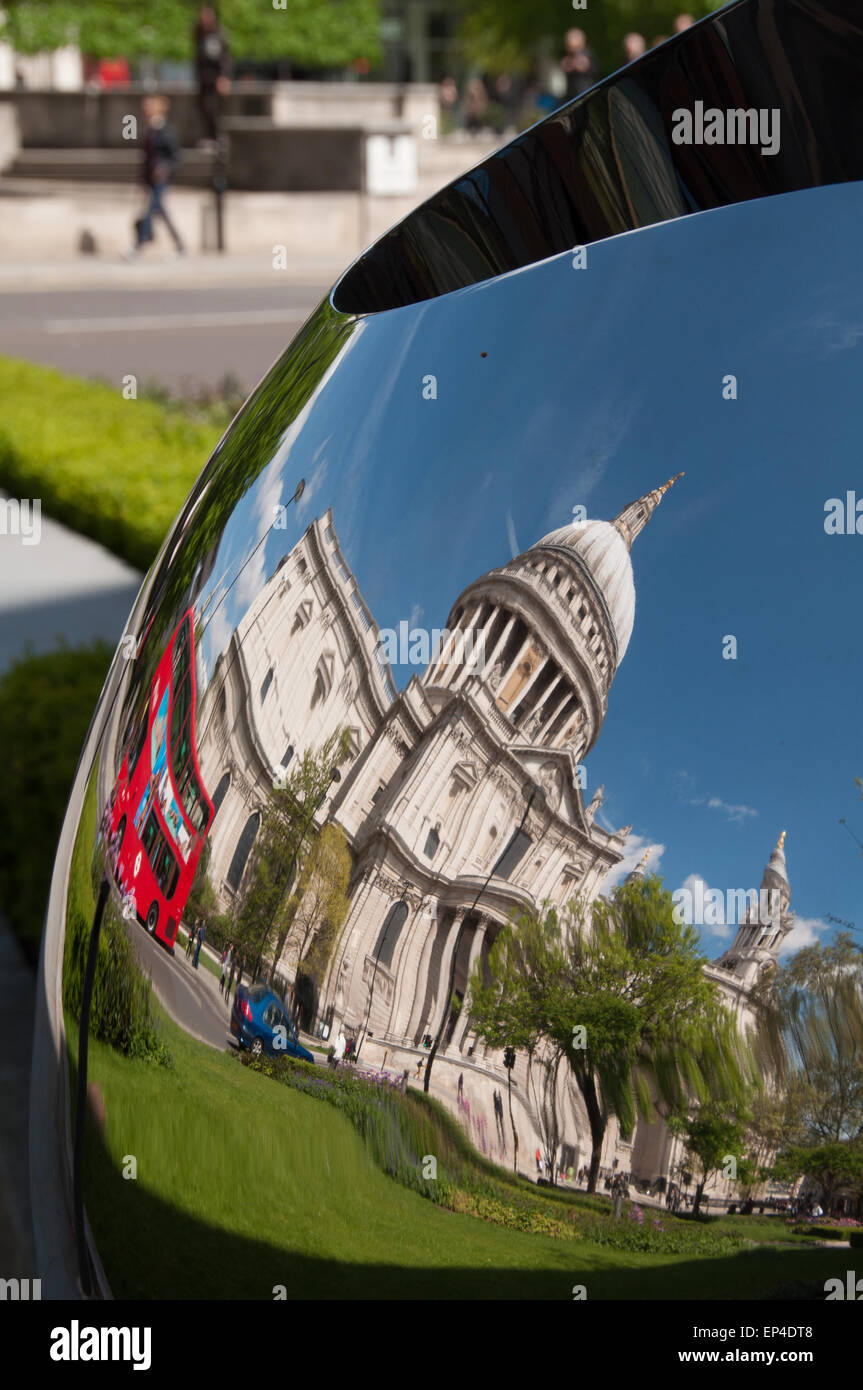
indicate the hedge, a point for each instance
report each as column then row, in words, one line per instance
column 46, row 704
column 114, row 469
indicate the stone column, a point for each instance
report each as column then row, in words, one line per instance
column 492, row 656
column 462, row 1027
column 528, row 685
column 440, row 1008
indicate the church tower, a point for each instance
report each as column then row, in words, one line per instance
column 552, row 627
column 764, row 927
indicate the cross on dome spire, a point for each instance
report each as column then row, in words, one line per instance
column 633, row 519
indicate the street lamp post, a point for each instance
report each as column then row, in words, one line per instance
column 535, row 793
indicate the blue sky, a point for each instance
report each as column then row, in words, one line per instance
column 597, row 385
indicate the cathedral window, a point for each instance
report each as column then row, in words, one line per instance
column 513, row 854
column 432, row 842
column 243, row 850
column 323, row 679
column 288, row 754
column 389, row 934
column 266, row 683
column 221, row 789
column 378, row 794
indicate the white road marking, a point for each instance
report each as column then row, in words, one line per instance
column 132, row 323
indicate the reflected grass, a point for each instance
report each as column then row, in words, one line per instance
column 242, row 1186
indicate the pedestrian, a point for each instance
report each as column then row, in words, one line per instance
column 349, row 1049
column 578, row 64
column 226, row 965
column 339, row 1048
column 190, row 937
column 202, row 932
column 420, row 1067
column 634, row 45
column 161, row 156
column 229, row 984
column 475, row 105
column 539, row 1162
column 212, row 70
column 461, row 1085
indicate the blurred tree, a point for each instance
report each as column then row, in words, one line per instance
column 310, row 33
column 321, row 900
column 506, row 35
column 265, row 906
column 711, row 1133
column 812, row 1015
column 618, row 988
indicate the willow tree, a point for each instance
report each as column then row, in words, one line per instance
column 811, row 1013
column 618, row 989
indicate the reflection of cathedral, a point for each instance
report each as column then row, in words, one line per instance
column 438, row 781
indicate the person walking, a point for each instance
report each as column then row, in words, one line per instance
column 226, row 965
column 578, row 64
column 161, row 157
column 212, row 70
column 339, row 1048
column 190, row 937
column 202, row 932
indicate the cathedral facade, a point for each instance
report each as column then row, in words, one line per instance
column 462, row 798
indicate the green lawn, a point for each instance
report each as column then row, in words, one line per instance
column 243, row 1184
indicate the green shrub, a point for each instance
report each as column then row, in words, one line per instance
column 121, row 1012
column 401, row 1129
column 46, row 704
column 117, row 470
column 820, row 1232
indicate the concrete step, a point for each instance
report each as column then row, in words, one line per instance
column 105, row 166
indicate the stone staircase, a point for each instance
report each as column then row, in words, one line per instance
column 439, row 162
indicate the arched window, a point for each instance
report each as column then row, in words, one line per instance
column 289, row 753
column 267, row 682
column 389, row 933
column 513, row 854
column 243, row 850
column 219, row 793
column 432, row 842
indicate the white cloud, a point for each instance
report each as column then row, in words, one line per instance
column 713, row 908
column 635, row 847
column 803, row 933
column 734, row 813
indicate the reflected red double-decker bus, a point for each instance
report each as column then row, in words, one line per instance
column 160, row 811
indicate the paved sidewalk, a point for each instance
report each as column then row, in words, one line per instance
column 65, row 587
column 162, row 270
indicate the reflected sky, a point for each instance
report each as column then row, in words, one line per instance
column 557, row 387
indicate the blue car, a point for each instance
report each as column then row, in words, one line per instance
column 260, row 1021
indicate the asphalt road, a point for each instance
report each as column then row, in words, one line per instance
column 178, row 338
column 190, row 996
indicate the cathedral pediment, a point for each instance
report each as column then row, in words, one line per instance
column 466, row 773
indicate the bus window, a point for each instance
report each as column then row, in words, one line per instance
column 179, row 715
column 166, row 869
column 181, row 751
column 138, row 739
column 151, row 831
column 193, row 805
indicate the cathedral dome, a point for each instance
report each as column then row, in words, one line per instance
column 605, row 555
